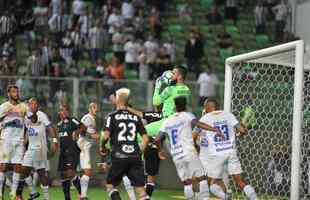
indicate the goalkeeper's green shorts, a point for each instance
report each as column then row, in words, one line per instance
column 153, row 128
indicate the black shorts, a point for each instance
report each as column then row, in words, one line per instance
column 152, row 160
column 132, row 168
column 69, row 159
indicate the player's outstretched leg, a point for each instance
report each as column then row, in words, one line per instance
column 217, row 190
column 129, row 188
column 15, row 180
column 44, row 181
column 246, row 188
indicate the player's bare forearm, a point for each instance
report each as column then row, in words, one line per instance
column 209, row 128
column 242, row 129
column 196, row 138
column 145, row 141
column 52, row 132
column 81, row 130
column 103, row 141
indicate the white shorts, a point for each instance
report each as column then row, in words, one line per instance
column 215, row 165
column 187, row 169
column 31, row 161
column 85, row 158
column 11, row 152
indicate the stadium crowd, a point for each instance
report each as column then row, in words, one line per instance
column 101, row 39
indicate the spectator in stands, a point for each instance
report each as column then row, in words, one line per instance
column 163, row 62
column 138, row 23
column 280, row 11
column 231, row 10
column 56, row 7
column 66, row 48
column 46, row 53
column 194, row 52
column 128, row 10
column 143, row 66
column 171, row 49
column 57, row 63
column 7, row 26
column 40, row 14
column 155, row 23
column 225, row 40
column 214, row 16
column 27, row 24
column 100, row 68
column 77, row 45
column 115, row 70
column 85, row 23
column 278, row 174
column 78, row 9
column 185, row 13
column 118, row 41
column 132, row 48
column 260, row 13
column 115, row 19
column 34, row 63
column 207, row 85
column 151, row 47
column 96, row 40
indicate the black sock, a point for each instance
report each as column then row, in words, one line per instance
column 66, row 189
column 115, row 195
column 149, row 188
column 76, row 182
column 3, row 188
column 20, row 187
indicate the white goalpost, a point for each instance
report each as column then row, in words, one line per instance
column 274, row 82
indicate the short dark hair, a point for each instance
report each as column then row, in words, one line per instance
column 210, row 100
column 8, row 89
column 180, row 104
column 182, row 70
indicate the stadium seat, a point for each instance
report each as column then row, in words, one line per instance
column 108, row 56
column 225, row 53
column 262, row 40
column 131, row 74
column 175, row 29
column 206, row 3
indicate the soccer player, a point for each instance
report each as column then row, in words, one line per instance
column 121, row 129
column 178, row 129
column 35, row 157
column 12, row 114
column 33, row 107
column 165, row 98
column 69, row 128
column 215, row 153
column 85, row 144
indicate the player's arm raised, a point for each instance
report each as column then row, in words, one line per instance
column 144, row 136
column 207, row 127
column 241, row 129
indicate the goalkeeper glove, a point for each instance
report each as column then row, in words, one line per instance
column 248, row 117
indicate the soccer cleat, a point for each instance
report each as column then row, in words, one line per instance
column 19, row 198
column 34, row 196
column 84, row 198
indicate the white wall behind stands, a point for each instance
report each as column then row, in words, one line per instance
column 303, row 21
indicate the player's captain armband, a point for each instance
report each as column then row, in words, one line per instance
column 248, row 117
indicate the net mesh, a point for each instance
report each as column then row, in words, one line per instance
column 266, row 85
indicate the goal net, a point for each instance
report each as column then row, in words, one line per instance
column 275, row 84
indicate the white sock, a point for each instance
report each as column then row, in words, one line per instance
column 35, row 178
column 1, row 182
column 130, row 190
column 250, row 192
column 45, row 192
column 188, row 192
column 8, row 178
column 30, row 184
column 203, row 190
column 217, row 191
column 84, row 185
column 226, row 179
column 15, row 181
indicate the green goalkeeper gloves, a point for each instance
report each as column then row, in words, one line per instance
column 248, row 117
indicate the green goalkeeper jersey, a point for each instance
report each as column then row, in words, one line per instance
column 167, row 96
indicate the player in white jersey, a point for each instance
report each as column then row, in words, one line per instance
column 35, row 157
column 12, row 114
column 33, row 106
column 178, row 129
column 84, row 143
column 215, row 153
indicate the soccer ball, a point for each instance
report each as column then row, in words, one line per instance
column 166, row 77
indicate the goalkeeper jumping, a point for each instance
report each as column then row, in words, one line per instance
column 163, row 96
